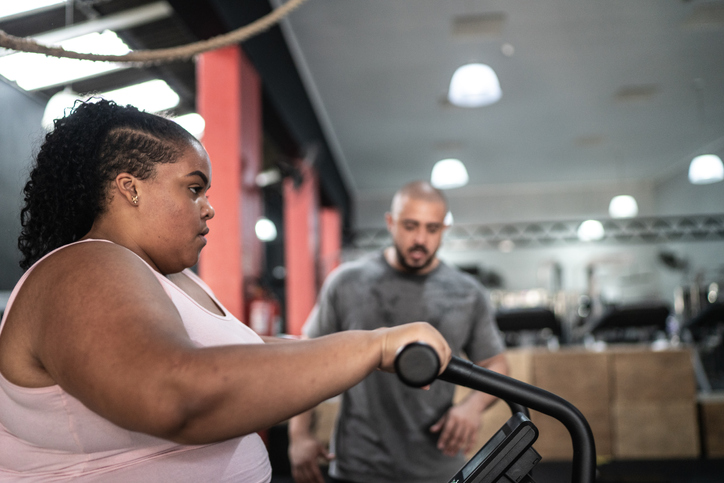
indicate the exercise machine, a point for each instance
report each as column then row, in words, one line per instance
column 508, row 457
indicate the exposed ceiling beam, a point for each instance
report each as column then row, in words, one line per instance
column 119, row 21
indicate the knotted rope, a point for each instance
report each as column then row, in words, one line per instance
column 157, row 56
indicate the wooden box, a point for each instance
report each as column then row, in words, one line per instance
column 554, row 441
column 712, row 424
column 639, row 374
column 519, row 366
column 325, row 416
column 652, row 430
column 582, row 378
column 576, row 375
column 653, row 404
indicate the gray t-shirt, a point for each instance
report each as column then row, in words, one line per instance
column 382, row 434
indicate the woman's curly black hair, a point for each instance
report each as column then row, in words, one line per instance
column 69, row 183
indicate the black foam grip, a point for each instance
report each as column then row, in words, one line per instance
column 417, row 364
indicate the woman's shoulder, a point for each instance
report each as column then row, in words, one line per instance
column 70, row 291
column 87, row 255
column 95, row 266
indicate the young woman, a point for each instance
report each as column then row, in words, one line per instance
column 116, row 362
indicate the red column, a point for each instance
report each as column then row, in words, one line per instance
column 251, row 157
column 300, row 248
column 228, row 98
column 330, row 241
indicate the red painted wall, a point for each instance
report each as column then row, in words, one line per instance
column 229, row 99
column 300, row 248
column 330, row 241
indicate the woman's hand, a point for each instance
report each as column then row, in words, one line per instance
column 395, row 338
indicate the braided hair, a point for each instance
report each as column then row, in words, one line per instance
column 69, row 185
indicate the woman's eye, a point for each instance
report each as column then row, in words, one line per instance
column 195, row 190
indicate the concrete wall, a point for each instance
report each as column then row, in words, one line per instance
column 624, row 272
column 20, row 137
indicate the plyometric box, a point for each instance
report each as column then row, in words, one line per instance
column 712, row 423
column 639, row 403
column 653, row 404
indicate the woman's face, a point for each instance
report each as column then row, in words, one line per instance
column 174, row 208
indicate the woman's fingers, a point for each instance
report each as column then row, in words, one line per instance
column 393, row 339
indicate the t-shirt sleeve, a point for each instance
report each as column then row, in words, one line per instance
column 486, row 340
column 323, row 318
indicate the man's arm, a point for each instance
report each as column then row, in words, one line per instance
column 460, row 425
column 305, row 449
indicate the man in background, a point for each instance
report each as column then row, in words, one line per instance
column 387, row 432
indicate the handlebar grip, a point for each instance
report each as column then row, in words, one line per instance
column 417, row 364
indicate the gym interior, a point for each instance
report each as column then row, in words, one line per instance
column 314, row 123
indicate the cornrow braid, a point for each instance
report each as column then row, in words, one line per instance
column 69, row 184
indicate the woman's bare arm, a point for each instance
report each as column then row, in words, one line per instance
column 109, row 335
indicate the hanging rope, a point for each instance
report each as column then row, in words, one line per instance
column 157, row 56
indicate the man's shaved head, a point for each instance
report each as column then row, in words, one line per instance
column 417, row 190
column 416, row 222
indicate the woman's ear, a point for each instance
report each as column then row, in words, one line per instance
column 126, row 185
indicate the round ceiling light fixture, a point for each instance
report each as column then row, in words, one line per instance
column 265, row 230
column 706, row 169
column 623, row 206
column 474, row 85
column 448, row 174
column 590, row 230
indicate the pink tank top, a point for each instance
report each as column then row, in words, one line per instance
column 48, row 435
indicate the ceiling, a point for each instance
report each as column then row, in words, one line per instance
column 593, row 90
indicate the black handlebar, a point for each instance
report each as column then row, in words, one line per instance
column 417, row 365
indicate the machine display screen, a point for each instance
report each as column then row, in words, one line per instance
column 484, row 452
column 502, row 452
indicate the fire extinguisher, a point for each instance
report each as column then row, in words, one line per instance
column 264, row 314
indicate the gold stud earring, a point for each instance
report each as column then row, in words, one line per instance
column 134, row 199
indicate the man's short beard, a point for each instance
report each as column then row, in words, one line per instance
column 409, row 268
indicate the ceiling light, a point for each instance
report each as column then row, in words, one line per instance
column 265, row 230
column 706, row 169
column 38, row 71
column 268, row 177
column 8, row 8
column 150, row 96
column 193, row 123
column 590, row 230
column 448, row 174
column 57, row 105
column 474, row 85
column 506, row 246
column 623, row 206
column 449, row 220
